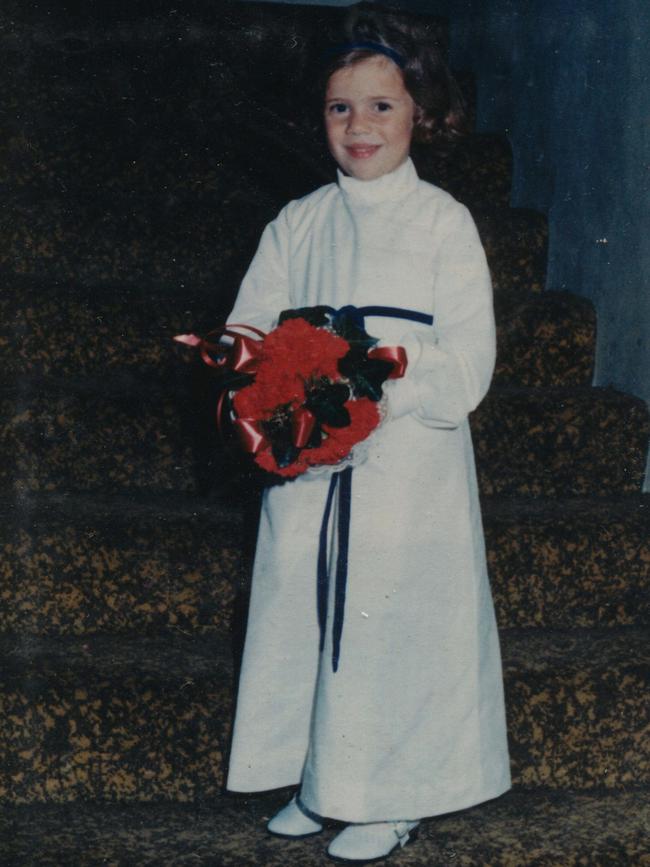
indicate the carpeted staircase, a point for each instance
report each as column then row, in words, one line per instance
column 141, row 156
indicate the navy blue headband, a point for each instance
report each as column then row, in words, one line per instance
column 376, row 47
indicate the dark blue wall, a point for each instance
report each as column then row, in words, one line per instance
column 570, row 82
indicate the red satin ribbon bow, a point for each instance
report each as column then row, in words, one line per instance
column 302, row 426
column 242, row 356
column 394, row 354
column 250, row 434
column 252, row 438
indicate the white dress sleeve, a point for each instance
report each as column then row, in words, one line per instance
column 449, row 373
column 265, row 291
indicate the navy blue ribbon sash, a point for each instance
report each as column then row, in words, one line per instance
column 343, row 480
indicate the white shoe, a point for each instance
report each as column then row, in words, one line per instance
column 292, row 822
column 371, row 842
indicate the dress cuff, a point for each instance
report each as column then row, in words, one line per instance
column 402, row 396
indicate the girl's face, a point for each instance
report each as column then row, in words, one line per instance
column 368, row 118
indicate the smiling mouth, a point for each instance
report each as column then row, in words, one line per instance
column 362, row 152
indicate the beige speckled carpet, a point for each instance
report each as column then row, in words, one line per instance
column 131, row 205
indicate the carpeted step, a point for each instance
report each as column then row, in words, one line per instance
column 477, row 170
column 575, row 702
column 120, row 433
column 202, row 240
column 101, row 436
column 557, row 443
column 115, row 719
column 86, row 565
column 516, row 245
column 520, row 829
column 147, row 719
column 546, row 339
column 71, row 332
column 569, row 563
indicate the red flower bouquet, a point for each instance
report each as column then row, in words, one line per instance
column 305, row 394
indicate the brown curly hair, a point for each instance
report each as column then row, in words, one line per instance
column 440, row 108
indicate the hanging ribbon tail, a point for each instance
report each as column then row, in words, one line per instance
column 303, row 422
column 345, row 506
column 343, row 481
column 250, row 434
column 396, row 355
column 322, row 585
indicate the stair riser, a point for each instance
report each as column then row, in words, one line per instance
column 149, row 575
column 64, row 336
column 192, row 245
column 89, row 443
column 516, row 245
column 579, row 730
column 131, row 740
column 548, row 340
column 477, row 172
column 525, row 443
column 126, row 741
column 570, row 573
column 78, row 154
column 124, row 333
column 145, row 574
column 201, row 240
column 549, row 445
column 74, row 155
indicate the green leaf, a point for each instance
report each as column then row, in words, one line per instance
column 284, row 453
column 366, row 375
column 325, row 399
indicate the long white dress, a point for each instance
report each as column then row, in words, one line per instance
column 412, row 723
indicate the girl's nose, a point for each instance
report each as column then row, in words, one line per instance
column 357, row 123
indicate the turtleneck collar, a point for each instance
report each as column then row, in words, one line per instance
column 388, row 188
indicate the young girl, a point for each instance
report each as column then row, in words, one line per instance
column 390, row 708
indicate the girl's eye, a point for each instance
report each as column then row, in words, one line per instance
column 383, row 106
column 338, row 108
